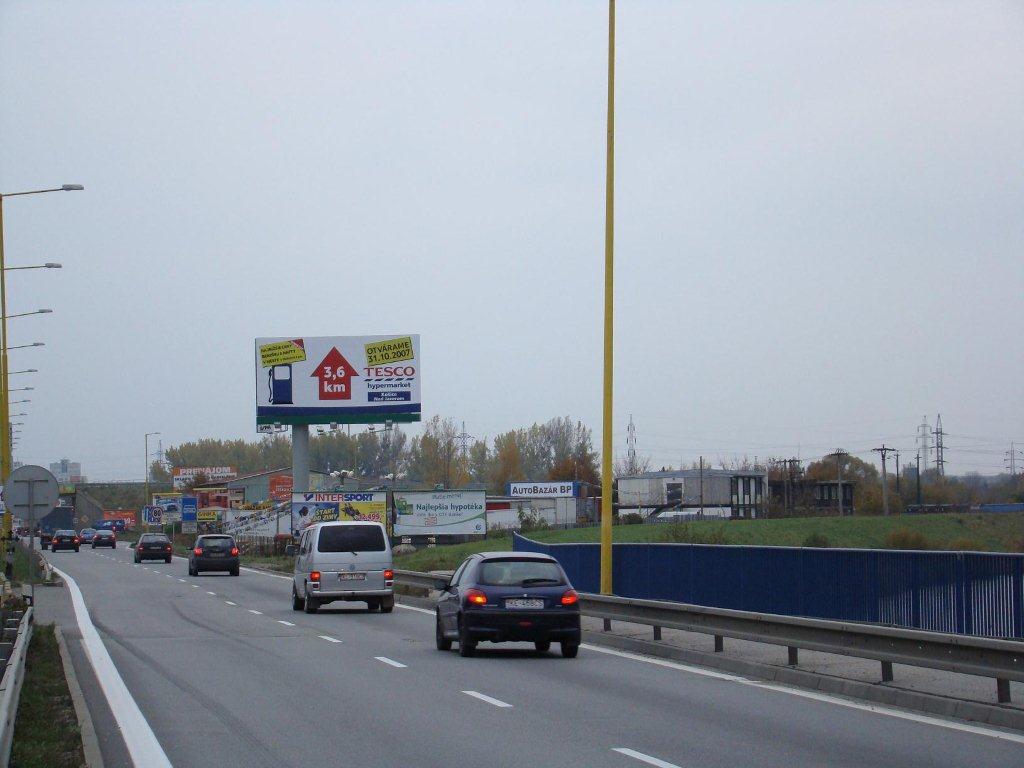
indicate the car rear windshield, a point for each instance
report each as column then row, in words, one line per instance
column 154, row 538
column 516, row 573
column 217, row 541
column 351, row 538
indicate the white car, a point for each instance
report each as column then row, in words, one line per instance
column 344, row 560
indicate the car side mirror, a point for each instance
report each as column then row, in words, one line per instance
column 441, row 584
column 291, row 549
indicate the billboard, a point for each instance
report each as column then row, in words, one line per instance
column 189, row 505
column 128, row 515
column 549, row 489
column 213, row 497
column 440, row 513
column 338, row 379
column 309, row 508
column 182, row 477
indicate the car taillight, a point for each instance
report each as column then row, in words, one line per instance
column 234, row 551
column 168, row 548
column 570, row 597
column 197, row 551
column 54, row 540
column 475, row 597
column 388, row 574
column 138, row 547
column 314, row 576
column 76, row 540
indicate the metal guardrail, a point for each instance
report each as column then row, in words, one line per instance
column 10, row 687
column 982, row 656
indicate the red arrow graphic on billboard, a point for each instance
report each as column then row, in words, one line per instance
column 335, row 374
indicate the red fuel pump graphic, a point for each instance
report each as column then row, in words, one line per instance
column 335, row 374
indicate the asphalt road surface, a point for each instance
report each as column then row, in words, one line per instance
column 224, row 674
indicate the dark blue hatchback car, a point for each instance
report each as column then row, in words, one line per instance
column 508, row 597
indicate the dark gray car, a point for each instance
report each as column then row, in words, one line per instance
column 213, row 552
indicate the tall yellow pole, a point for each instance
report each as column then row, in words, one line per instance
column 609, row 242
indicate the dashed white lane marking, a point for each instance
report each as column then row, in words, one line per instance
column 181, row 580
column 228, row 602
column 414, row 608
column 643, row 758
column 142, row 744
column 258, row 613
column 286, row 623
column 211, row 593
column 169, row 576
column 488, row 699
column 195, row 586
column 328, row 638
column 390, row 662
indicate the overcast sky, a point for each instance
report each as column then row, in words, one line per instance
column 819, row 233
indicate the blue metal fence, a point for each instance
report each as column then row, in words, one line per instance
column 967, row 593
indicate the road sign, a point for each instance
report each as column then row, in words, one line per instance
column 31, row 492
column 338, row 379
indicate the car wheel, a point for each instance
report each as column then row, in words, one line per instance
column 137, row 559
column 467, row 647
column 570, row 649
column 387, row 604
column 94, row 546
column 234, row 571
column 443, row 643
column 296, row 600
column 76, row 549
column 167, row 560
column 373, row 605
column 542, row 646
column 192, row 571
column 311, row 604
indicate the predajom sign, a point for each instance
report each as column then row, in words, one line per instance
column 440, row 513
column 338, row 379
column 556, row 489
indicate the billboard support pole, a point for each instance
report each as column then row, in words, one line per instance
column 300, row 458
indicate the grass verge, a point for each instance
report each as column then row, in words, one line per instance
column 982, row 532
column 46, row 733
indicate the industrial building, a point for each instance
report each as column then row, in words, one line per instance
column 718, row 492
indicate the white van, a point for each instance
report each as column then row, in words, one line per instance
column 344, row 560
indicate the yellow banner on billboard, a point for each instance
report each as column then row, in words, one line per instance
column 390, row 351
column 282, row 353
column 207, row 515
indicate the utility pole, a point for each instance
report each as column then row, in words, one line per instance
column 923, row 433
column 839, row 454
column 885, row 477
column 919, row 478
column 897, row 473
column 464, row 438
column 791, row 470
column 702, row 486
column 631, row 467
column 940, row 460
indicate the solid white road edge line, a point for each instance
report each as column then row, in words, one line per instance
column 488, row 699
column 329, row 639
column 143, row 747
column 643, row 758
column 815, row 696
column 391, row 662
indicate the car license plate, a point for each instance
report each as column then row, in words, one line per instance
column 216, row 554
column 521, row 603
column 352, row 576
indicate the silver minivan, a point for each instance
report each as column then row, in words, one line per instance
column 344, row 560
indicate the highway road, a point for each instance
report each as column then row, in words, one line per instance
column 224, row 674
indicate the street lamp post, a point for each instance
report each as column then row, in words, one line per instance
column 5, row 437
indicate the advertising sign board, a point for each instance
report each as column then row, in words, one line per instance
column 309, row 508
column 128, row 515
column 181, row 477
column 280, row 487
column 440, row 513
column 207, row 515
column 339, row 379
column 189, row 526
column 548, row 489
